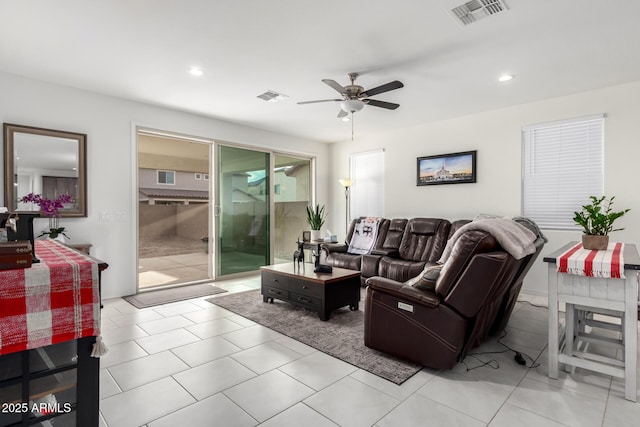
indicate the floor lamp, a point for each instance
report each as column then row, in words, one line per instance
column 346, row 183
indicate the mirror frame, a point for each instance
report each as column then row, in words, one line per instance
column 9, row 189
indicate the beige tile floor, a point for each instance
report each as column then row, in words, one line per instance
column 194, row 364
column 170, row 270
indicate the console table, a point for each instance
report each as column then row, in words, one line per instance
column 49, row 318
column 320, row 292
column 609, row 296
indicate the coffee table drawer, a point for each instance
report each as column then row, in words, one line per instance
column 306, row 301
column 275, row 280
column 272, row 292
column 306, row 288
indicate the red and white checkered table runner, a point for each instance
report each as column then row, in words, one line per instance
column 607, row 263
column 54, row 301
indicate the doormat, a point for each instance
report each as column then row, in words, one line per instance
column 342, row 336
column 166, row 296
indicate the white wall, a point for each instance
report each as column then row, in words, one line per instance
column 497, row 137
column 107, row 121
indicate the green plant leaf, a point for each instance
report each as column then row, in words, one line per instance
column 598, row 217
column 316, row 217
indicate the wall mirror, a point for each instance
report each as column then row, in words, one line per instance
column 46, row 162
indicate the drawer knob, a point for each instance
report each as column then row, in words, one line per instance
column 304, row 287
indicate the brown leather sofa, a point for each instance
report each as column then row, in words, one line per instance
column 336, row 255
column 423, row 241
column 402, row 248
column 472, row 297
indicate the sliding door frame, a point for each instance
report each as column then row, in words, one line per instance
column 213, row 189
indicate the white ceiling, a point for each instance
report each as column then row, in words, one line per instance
column 142, row 49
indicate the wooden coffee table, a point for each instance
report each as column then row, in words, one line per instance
column 320, row 292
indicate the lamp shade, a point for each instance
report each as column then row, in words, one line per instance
column 352, row 105
column 346, row 182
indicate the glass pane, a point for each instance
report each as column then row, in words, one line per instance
column 66, row 420
column 292, row 188
column 243, row 215
column 53, row 393
column 173, row 220
column 10, row 366
column 53, row 356
column 12, row 405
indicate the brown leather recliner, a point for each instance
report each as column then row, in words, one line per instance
column 336, row 255
column 437, row 327
column 423, row 241
column 511, row 296
column 389, row 246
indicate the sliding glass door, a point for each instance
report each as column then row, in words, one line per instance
column 173, row 210
column 291, row 196
column 242, row 212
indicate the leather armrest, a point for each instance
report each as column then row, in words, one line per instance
column 334, row 247
column 385, row 252
column 402, row 291
column 369, row 265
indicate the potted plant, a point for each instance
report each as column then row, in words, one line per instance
column 596, row 220
column 315, row 218
column 51, row 209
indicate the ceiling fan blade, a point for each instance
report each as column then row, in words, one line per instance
column 382, row 104
column 337, row 86
column 342, row 114
column 383, row 88
column 320, row 100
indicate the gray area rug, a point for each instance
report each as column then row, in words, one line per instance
column 342, row 336
column 166, row 296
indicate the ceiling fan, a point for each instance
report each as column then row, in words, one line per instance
column 355, row 97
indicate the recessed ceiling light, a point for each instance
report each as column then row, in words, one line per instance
column 505, row 78
column 196, row 71
column 345, row 119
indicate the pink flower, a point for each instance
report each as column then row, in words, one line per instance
column 49, row 207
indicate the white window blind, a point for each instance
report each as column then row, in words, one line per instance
column 367, row 190
column 562, row 167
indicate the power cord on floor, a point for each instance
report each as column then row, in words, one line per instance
column 493, row 364
column 532, row 304
column 519, row 357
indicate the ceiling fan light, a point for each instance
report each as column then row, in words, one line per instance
column 351, row 105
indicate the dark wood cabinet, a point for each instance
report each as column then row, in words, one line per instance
column 319, row 292
column 56, row 385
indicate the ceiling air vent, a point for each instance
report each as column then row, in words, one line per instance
column 272, row 96
column 474, row 10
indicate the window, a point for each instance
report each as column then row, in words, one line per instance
column 198, row 176
column 166, row 177
column 562, row 167
column 367, row 190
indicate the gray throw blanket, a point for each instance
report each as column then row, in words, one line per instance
column 514, row 238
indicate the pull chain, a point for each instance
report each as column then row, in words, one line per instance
column 352, row 126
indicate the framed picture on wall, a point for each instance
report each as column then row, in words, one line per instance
column 453, row 168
